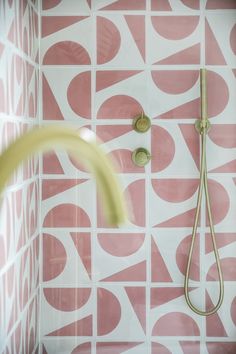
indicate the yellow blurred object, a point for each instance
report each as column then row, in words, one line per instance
column 82, row 145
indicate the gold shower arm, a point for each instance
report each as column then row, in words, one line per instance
column 82, row 145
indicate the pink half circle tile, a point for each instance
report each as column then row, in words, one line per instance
column 51, row 109
column 81, row 327
column 121, row 245
column 54, row 257
column 48, row 4
column 135, row 272
column 77, row 164
column 158, row 348
column 220, row 202
column 108, row 40
column 176, row 324
column 135, row 193
column 124, row 5
column 123, row 161
column 223, row 135
column 193, row 4
column 84, row 348
column 115, row 347
column 66, row 53
column 222, row 240
column 175, row 190
column 51, row 164
column 228, row 269
column 182, row 253
column 217, row 5
column 119, row 107
column 181, row 26
column 108, row 311
column 218, row 93
column 192, row 347
column 214, row 325
column 233, row 312
column 214, row 55
column 221, row 347
column 79, row 94
column 105, row 79
column 111, row 132
column 67, row 299
column 164, row 146
column 52, row 187
column 175, row 82
column 233, row 39
column 160, row 5
column 190, row 55
column 66, row 215
column 52, row 24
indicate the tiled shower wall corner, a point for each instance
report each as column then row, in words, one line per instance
column 115, row 290
column 19, row 228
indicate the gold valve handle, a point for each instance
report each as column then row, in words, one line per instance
column 141, row 157
column 141, row 123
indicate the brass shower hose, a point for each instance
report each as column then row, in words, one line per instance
column 203, row 126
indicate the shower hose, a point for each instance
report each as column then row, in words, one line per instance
column 203, row 125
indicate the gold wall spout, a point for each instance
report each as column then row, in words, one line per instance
column 202, row 127
column 82, row 145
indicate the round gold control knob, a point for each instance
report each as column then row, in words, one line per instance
column 141, row 123
column 141, row 157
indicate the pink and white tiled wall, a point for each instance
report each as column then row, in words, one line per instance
column 116, row 290
column 19, row 227
column 120, row 290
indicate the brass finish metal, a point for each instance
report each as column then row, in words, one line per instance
column 82, row 145
column 141, row 157
column 141, row 123
column 203, row 128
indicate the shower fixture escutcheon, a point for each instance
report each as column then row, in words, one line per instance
column 141, row 123
column 203, row 125
column 141, row 157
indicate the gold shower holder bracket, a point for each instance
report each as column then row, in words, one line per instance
column 200, row 125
